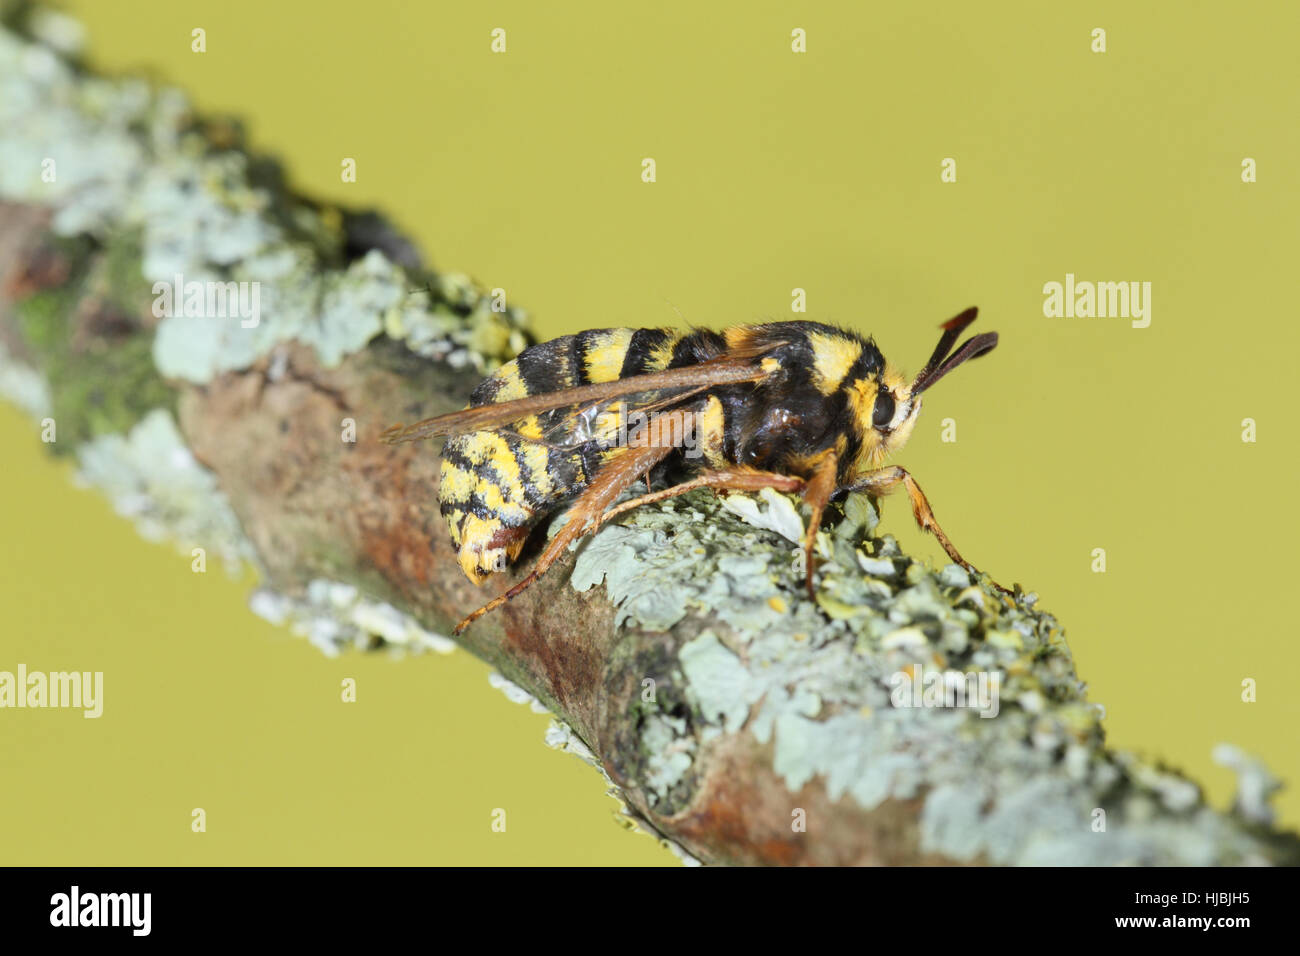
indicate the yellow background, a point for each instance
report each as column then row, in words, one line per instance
column 775, row 171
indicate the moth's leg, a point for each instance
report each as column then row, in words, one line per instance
column 818, row 493
column 584, row 514
column 725, row 479
column 882, row 480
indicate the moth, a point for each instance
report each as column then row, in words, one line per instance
column 799, row 407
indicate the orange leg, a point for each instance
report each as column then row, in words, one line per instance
column 726, row 479
column 817, row 494
column 883, row 480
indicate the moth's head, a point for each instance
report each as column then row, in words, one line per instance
column 886, row 412
column 886, row 406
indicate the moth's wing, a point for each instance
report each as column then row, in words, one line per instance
column 604, row 422
column 730, row 369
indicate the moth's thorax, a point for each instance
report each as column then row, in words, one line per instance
column 821, row 395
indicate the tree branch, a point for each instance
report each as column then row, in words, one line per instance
column 738, row 718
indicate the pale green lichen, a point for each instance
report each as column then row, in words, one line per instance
column 1256, row 784
column 669, row 753
column 128, row 157
column 151, row 477
column 335, row 617
column 779, row 515
column 516, row 694
column 719, row 681
column 816, row 681
column 57, row 30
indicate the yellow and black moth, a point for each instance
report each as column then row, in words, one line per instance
column 574, row 422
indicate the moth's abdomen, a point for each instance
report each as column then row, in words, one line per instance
column 497, row 485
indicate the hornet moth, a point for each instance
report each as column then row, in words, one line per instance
column 795, row 406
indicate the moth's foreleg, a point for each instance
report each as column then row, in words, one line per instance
column 882, row 480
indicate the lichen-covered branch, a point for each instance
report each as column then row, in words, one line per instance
column 906, row 716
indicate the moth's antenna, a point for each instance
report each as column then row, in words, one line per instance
column 941, row 363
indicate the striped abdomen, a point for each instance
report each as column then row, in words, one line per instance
column 496, row 485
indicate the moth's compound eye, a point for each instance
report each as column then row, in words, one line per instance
column 883, row 413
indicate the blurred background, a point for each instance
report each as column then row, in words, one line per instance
column 775, row 171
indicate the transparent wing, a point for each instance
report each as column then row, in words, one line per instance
column 608, row 422
column 729, row 369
